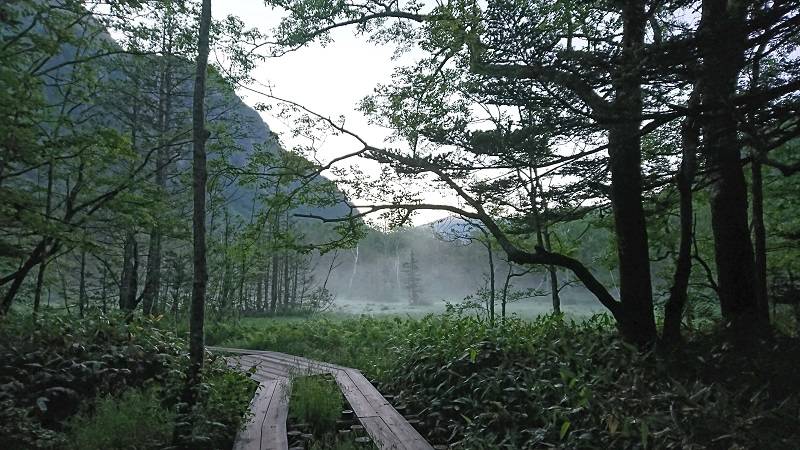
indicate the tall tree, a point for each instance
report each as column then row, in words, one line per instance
column 675, row 305
column 520, row 63
column 413, row 280
column 723, row 45
column 614, row 74
column 199, row 177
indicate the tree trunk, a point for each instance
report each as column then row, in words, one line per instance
column 176, row 295
column 543, row 236
column 199, row 179
column 43, row 249
column 757, row 192
column 355, row 269
column 636, row 319
column 37, row 296
column 759, row 239
column 130, row 269
column 722, row 46
column 152, row 284
column 242, row 276
column 673, row 309
column 273, row 306
column 225, row 285
column 504, row 299
column 265, row 303
column 64, row 290
column 259, row 294
column 491, row 279
column 103, row 291
column 82, row 285
column 286, row 279
column 294, row 282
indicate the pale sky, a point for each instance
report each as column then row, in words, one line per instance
column 330, row 81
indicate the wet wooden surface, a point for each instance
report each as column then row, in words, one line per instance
column 274, row 370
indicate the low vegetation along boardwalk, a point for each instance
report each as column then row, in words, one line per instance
column 267, row 428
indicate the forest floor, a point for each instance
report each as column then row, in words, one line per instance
column 550, row 381
column 103, row 383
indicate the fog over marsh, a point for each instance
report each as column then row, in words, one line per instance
column 373, row 277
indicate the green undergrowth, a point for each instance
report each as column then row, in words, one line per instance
column 134, row 419
column 362, row 342
column 63, row 381
column 555, row 383
column 317, row 401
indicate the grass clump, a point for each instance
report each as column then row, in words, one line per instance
column 133, row 420
column 317, row 401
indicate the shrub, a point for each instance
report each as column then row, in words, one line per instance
column 134, row 420
column 224, row 405
column 52, row 367
column 57, row 367
column 556, row 383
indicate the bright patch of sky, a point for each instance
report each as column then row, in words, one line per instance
column 328, row 80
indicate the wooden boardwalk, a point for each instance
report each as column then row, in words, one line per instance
column 267, row 428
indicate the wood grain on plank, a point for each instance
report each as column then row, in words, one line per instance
column 245, row 365
column 298, row 361
column 249, row 438
column 273, row 433
column 277, row 368
column 383, row 436
column 399, row 426
column 385, row 425
column 358, row 402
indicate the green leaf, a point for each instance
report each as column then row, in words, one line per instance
column 564, row 429
column 645, row 433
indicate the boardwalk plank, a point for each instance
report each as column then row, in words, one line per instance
column 277, row 368
column 382, row 435
column 250, row 437
column 263, row 369
column 385, row 425
column 276, row 355
column 403, row 430
column 298, row 361
column 298, row 369
column 360, row 404
column 273, row 434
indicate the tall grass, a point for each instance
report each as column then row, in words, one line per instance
column 362, row 342
column 133, row 420
column 317, row 401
